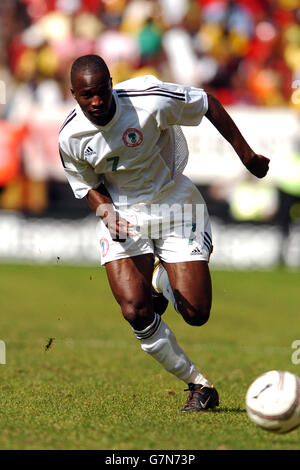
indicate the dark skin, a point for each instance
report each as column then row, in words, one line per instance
column 130, row 278
column 93, row 93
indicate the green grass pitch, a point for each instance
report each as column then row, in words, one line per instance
column 76, row 378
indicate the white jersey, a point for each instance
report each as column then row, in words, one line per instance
column 141, row 151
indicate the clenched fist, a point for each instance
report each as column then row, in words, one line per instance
column 258, row 165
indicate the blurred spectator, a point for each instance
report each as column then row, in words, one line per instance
column 243, row 51
column 120, row 52
column 11, row 137
column 173, row 11
column 149, row 40
column 289, row 197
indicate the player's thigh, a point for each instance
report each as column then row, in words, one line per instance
column 130, row 282
column 192, row 287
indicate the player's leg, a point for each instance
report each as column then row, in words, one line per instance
column 160, row 302
column 130, row 281
column 189, row 289
column 183, row 276
column 188, row 286
column 190, row 282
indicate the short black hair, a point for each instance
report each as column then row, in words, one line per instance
column 88, row 63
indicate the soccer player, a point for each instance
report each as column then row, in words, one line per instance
column 124, row 150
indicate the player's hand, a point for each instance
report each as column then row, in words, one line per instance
column 258, row 165
column 118, row 227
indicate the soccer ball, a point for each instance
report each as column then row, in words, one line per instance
column 273, row 401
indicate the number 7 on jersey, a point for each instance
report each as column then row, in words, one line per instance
column 115, row 161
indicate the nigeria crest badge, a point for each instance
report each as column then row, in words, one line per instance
column 132, row 137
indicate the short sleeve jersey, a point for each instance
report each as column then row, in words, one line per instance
column 141, row 151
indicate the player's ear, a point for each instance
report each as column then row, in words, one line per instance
column 73, row 92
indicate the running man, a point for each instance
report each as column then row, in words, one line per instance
column 123, row 149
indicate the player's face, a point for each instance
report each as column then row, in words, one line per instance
column 93, row 93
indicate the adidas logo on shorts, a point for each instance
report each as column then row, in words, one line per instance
column 196, row 251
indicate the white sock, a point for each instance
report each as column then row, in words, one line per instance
column 161, row 284
column 159, row 341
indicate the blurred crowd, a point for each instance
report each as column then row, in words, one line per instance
column 245, row 51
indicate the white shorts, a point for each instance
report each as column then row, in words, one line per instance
column 175, row 229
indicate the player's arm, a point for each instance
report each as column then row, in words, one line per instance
column 258, row 165
column 80, row 176
column 100, row 201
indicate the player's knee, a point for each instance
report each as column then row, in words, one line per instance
column 197, row 316
column 136, row 313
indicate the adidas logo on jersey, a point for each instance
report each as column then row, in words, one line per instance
column 196, row 251
column 89, row 151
